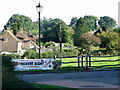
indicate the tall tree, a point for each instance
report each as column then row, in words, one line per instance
column 73, row 22
column 20, row 21
column 81, row 28
column 91, row 22
column 106, row 22
column 87, row 41
column 52, row 32
column 110, row 41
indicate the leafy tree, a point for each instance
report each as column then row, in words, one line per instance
column 31, row 54
column 91, row 22
column 73, row 22
column 106, row 22
column 53, row 30
column 88, row 40
column 20, row 21
column 81, row 28
column 117, row 30
column 109, row 41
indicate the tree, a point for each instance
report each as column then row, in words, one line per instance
column 106, row 22
column 110, row 41
column 81, row 28
column 20, row 21
column 91, row 22
column 73, row 22
column 88, row 40
column 31, row 54
column 52, row 32
column 117, row 30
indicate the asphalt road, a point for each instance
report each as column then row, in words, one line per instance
column 105, row 77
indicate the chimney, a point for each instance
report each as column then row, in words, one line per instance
column 8, row 28
column 21, row 30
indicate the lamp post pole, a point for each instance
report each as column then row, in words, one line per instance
column 39, row 37
column 60, row 40
column 39, row 9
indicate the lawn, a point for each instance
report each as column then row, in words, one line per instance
column 74, row 66
column 92, row 63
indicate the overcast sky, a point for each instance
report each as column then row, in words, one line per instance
column 63, row 9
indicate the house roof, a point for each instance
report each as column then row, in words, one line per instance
column 22, row 35
column 32, row 37
column 6, row 32
column 8, row 42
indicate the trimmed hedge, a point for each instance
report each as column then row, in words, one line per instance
column 31, row 54
column 65, row 53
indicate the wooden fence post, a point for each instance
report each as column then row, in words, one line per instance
column 82, row 61
column 86, row 63
column 89, row 60
column 78, row 61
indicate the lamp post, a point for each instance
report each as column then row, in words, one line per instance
column 39, row 9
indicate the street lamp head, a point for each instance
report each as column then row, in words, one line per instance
column 39, row 8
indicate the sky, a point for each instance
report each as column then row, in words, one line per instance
column 63, row 9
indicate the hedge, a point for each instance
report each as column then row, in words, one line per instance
column 65, row 53
column 9, row 80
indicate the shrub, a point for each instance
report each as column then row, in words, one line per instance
column 65, row 53
column 49, row 54
column 9, row 81
column 31, row 54
column 71, row 52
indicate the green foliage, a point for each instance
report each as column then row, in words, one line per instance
column 68, row 44
column 81, row 28
column 91, row 22
column 49, row 54
column 65, row 53
column 50, row 44
column 31, row 54
column 9, row 81
column 117, row 30
column 73, row 23
column 70, row 52
column 6, row 63
column 106, row 22
column 87, row 41
column 52, row 31
column 109, row 41
column 20, row 21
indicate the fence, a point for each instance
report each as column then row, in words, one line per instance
column 86, row 61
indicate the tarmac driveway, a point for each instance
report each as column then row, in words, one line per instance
column 97, row 79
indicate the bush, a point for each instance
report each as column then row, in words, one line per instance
column 67, row 52
column 99, row 52
column 112, row 52
column 70, row 52
column 9, row 81
column 31, row 54
column 6, row 63
column 49, row 54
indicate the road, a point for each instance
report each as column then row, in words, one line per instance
column 104, row 77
